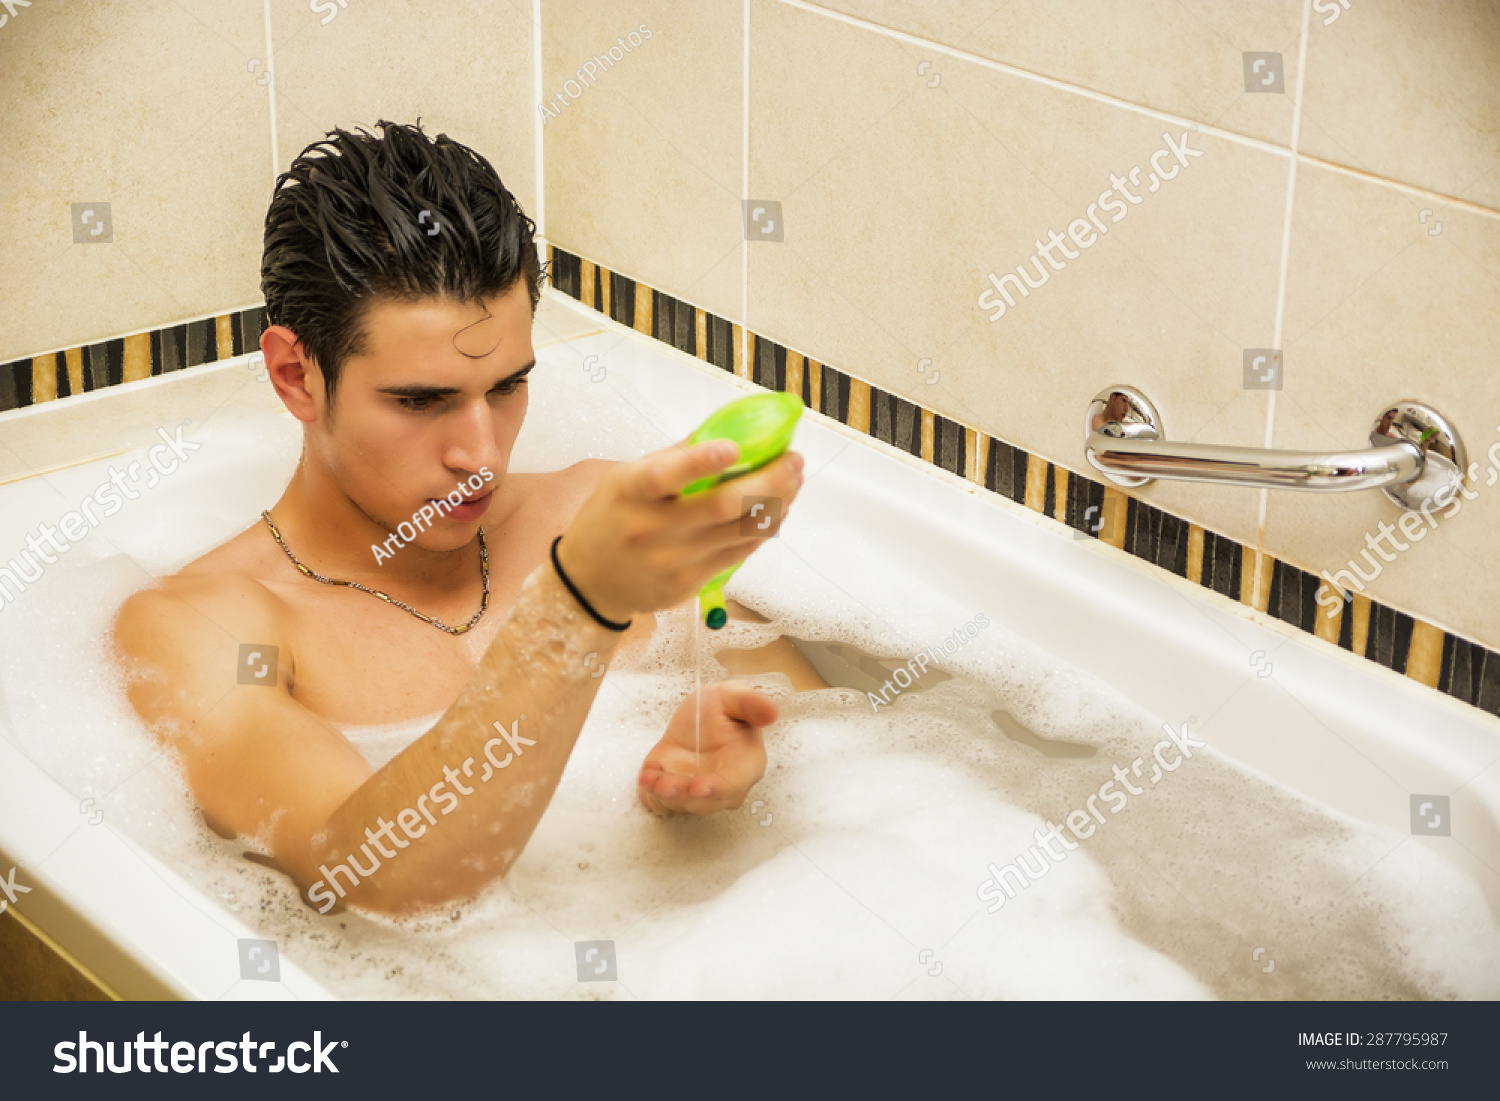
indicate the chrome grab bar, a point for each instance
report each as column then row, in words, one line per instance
column 1414, row 453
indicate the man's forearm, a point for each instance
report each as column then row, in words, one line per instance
column 454, row 809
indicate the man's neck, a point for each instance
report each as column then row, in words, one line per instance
column 333, row 536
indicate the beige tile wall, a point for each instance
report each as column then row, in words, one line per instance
column 645, row 161
column 157, row 108
column 915, row 148
column 148, row 107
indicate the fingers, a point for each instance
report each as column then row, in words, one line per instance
column 665, row 473
column 746, row 704
column 698, row 795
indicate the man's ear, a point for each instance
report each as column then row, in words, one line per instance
column 297, row 379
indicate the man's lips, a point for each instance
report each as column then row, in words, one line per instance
column 471, row 509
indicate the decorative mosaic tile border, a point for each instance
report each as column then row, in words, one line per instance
column 129, row 358
column 1420, row 650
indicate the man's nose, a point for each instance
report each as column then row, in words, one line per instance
column 472, row 444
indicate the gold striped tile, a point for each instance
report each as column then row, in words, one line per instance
column 815, row 383
column 737, row 354
column 1195, row 554
column 859, row 405
column 928, row 435
column 1116, row 512
column 137, row 357
column 1360, row 631
column 700, row 331
column 607, row 290
column 976, row 455
column 586, row 282
column 1036, row 484
column 74, row 357
column 644, row 304
column 1060, row 494
column 1250, row 587
column 224, row 335
column 1327, row 626
column 1424, row 659
column 44, row 378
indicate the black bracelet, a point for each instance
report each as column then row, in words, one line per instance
column 572, row 588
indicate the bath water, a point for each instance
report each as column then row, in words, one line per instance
column 853, row 868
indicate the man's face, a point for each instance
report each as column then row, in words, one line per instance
column 439, row 397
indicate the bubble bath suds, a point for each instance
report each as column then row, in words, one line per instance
column 863, row 846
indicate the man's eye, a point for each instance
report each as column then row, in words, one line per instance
column 512, row 386
column 416, row 405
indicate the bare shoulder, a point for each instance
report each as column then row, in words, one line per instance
column 196, row 619
column 576, row 482
column 587, row 472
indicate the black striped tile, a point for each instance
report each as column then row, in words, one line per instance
column 1222, row 560
column 949, row 444
column 1293, row 596
column 15, row 384
column 835, row 396
column 1488, row 678
column 621, row 299
column 1005, row 472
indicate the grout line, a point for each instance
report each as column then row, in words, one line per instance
column 66, row 466
column 1396, row 185
column 1142, row 109
column 1281, row 280
column 1038, row 78
column 271, row 94
column 538, row 144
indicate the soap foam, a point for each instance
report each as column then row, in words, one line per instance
column 859, row 853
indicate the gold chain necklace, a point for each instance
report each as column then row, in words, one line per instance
column 484, row 571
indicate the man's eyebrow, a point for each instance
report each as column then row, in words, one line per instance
column 419, row 391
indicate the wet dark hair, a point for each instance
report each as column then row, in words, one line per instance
column 342, row 234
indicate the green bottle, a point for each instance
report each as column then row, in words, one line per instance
column 762, row 425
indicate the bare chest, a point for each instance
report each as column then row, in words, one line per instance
column 359, row 660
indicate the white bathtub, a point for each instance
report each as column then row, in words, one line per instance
column 1333, row 727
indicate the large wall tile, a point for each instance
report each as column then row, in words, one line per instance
column 899, row 198
column 465, row 69
column 1186, row 59
column 1379, row 307
column 644, row 165
column 148, row 107
column 1409, row 90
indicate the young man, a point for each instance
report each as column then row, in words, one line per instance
column 401, row 279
